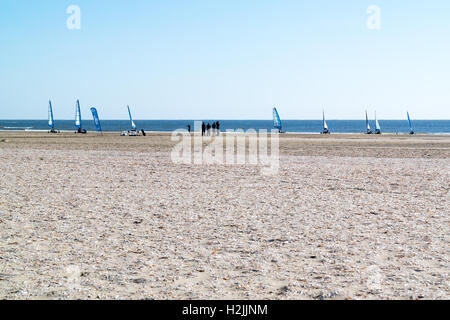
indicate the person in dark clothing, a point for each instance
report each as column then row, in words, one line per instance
column 218, row 127
column 208, row 128
column 203, row 129
column 214, row 129
column 189, row 128
column 143, row 132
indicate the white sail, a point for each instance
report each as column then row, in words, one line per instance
column 367, row 123
column 325, row 125
column 50, row 115
column 78, row 115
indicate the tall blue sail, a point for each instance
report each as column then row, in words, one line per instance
column 78, row 115
column 409, row 120
column 377, row 124
column 410, row 123
column 276, row 120
column 51, row 123
column 133, row 126
column 96, row 119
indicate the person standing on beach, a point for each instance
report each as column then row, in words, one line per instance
column 214, row 129
column 208, row 128
column 203, row 128
column 189, row 128
column 218, row 128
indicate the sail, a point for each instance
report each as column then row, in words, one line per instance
column 325, row 125
column 78, row 115
column 409, row 121
column 96, row 119
column 377, row 124
column 276, row 119
column 133, row 126
column 51, row 123
column 367, row 123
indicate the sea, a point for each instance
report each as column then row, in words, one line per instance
column 294, row 126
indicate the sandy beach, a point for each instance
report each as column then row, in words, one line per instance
column 110, row 217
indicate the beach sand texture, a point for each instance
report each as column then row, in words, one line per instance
column 110, row 217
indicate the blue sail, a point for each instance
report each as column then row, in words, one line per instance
column 133, row 126
column 96, row 119
column 78, row 115
column 51, row 123
column 377, row 124
column 276, row 120
column 411, row 131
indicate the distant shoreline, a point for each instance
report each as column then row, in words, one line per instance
column 224, row 132
column 291, row 126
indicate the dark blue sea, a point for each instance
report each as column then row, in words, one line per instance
column 306, row 126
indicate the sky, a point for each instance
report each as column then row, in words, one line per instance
column 225, row 59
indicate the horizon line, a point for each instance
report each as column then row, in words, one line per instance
column 217, row 119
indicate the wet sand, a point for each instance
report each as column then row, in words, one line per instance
column 110, row 217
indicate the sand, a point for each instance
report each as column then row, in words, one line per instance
column 110, row 217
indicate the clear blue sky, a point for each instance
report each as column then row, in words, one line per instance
column 225, row 59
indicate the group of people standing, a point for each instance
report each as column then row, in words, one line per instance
column 206, row 129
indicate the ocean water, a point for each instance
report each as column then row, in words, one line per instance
column 307, row 126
